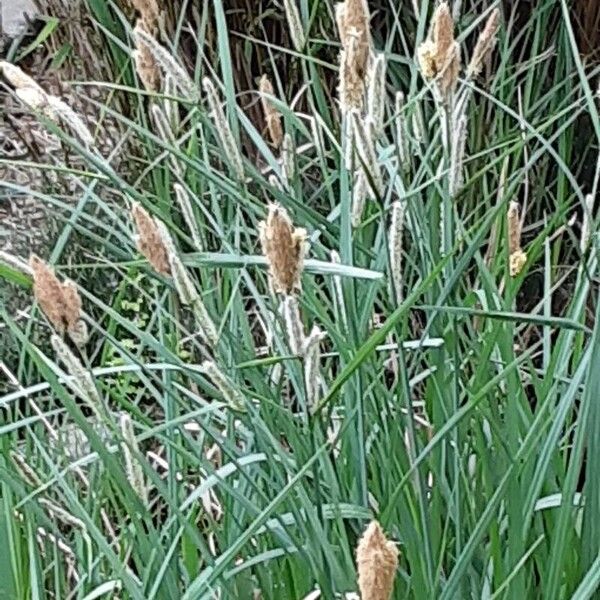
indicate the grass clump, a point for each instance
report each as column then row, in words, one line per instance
column 363, row 308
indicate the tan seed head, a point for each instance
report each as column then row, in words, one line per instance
column 146, row 68
column 517, row 257
column 376, row 561
column 272, row 116
column 149, row 240
column 513, row 219
column 485, row 44
column 59, row 301
column 439, row 55
column 355, row 17
column 284, row 247
column 516, row 262
column 149, row 13
column 352, row 18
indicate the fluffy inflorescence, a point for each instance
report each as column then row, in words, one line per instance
column 149, row 13
column 36, row 98
column 353, row 24
column 272, row 116
column 59, row 301
column 439, row 55
column 376, row 561
column 284, row 247
column 150, row 241
column 517, row 257
column 145, row 63
column 485, row 44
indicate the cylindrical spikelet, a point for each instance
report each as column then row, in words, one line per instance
column 284, row 247
column 288, row 160
column 27, row 472
column 442, row 30
column 295, row 24
column 348, row 141
column 165, row 131
column 485, row 44
column 230, row 147
column 171, row 106
column 36, row 99
column 149, row 240
column 33, row 95
column 377, row 561
column 514, row 227
column 186, row 290
column 293, row 324
column 188, row 295
column 439, row 55
column 70, row 118
column 426, row 58
column 146, row 68
column 517, row 261
column 458, row 140
column 312, row 359
column 185, row 204
column 376, row 93
column 360, row 190
column 418, row 125
column 368, row 156
column 149, row 13
column 60, row 302
column 18, row 78
column 82, row 383
column 401, row 132
column 229, row 391
column 395, row 241
column 61, row 514
column 272, row 116
column 586, row 226
column 167, row 63
column 517, row 257
column 351, row 87
column 354, row 20
column 133, row 468
column 315, row 130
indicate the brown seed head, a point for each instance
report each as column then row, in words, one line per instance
column 439, row 56
column 284, row 247
column 426, row 57
column 513, row 219
column 272, row 116
column 355, row 17
column 517, row 258
column 377, row 561
column 145, row 64
column 146, row 68
column 485, row 44
column 516, row 262
column 352, row 17
column 149, row 13
column 351, row 87
column 442, row 30
column 59, row 301
column 149, row 240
